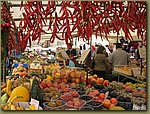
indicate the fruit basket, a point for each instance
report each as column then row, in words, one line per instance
column 19, row 106
column 69, row 96
column 82, row 93
column 54, row 105
column 66, row 97
column 66, row 90
column 85, row 108
column 86, row 98
column 124, row 69
column 75, row 103
column 126, row 105
column 136, row 72
column 94, row 104
column 31, row 70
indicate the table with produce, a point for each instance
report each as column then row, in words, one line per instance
column 65, row 89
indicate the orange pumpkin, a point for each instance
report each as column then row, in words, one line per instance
column 101, row 95
column 114, row 101
column 106, row 103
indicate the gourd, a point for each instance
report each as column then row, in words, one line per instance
column 20, row 91
column 117, row 108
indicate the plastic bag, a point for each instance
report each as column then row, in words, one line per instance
column 71, row 63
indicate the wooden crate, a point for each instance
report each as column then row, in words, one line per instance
column 136, row 72
column 31, row 70
column 124, row 69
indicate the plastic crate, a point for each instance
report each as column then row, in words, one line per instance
column 136, row 72
column 46, row 107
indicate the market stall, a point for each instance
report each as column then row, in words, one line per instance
column 41, row 75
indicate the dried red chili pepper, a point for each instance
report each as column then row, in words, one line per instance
column 64, row 31
column 21, row 4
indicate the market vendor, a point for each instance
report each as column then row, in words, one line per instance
column 72, row 53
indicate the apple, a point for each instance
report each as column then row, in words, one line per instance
column 73, row 80
column 70, row 103
column 101, row 80
column 77, row 104
column 91, row 94
column 75, row 99
column 95, row 92
column 74, row 94
column 73, row 85
column 95, row 77
column 77, row 74
column 25, row 73
column 43, row 84
column 72, row 74
column 57, row 75
column 64, row 81
column 77, row 80
column 20, row 68
column 49, row 84
column 21, row 74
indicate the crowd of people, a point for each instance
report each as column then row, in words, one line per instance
column 104, row 62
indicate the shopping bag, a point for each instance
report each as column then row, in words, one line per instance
column 71, row 63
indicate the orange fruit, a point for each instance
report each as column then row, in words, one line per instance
column 101, row 95
column 106, row 103
column 114, row 101
column 106, row 82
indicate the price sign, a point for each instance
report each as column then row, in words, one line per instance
column 136, row 107
column 35, row 103
column 106, row 94
column 143, row 107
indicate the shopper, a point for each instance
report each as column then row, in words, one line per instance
column 72, row 53
column 93, row 50
column 119, row 56
column 100, row 62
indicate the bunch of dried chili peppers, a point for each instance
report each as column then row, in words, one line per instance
column 8, row 26
column 87, row 17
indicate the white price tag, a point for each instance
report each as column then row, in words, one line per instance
column 136, row 107
column 143, row 107
column 35, row 103
column 106, row 94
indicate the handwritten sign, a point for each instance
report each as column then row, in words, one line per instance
column 35, row 103
column 106, row 94
column 136, row 107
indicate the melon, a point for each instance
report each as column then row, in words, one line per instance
column 20, row 91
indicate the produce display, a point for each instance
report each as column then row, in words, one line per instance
column 100, row 94
column 133, row 72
